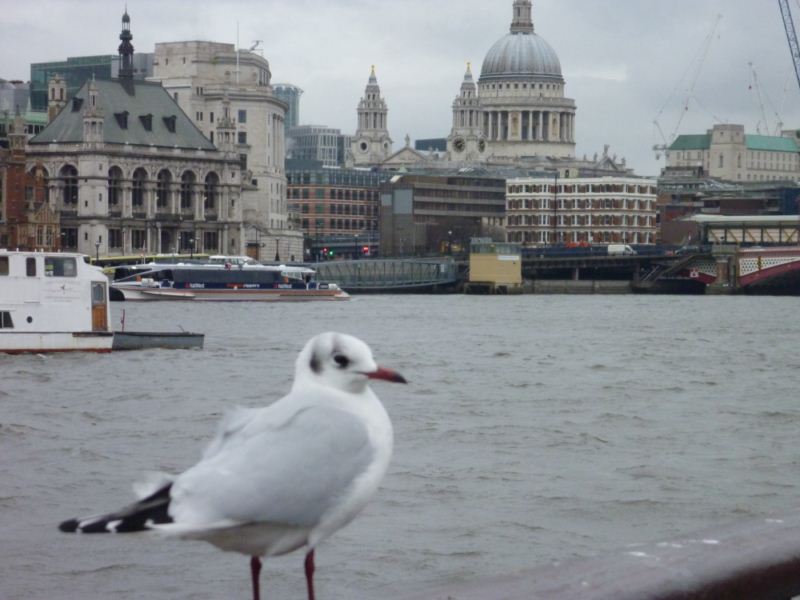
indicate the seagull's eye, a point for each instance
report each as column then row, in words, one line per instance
column 341, row 360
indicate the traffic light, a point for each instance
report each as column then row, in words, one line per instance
column 324, row 253
column 365, row 250
column 330, row 253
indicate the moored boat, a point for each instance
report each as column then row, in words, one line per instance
column 52, row 302
column 145, row 340
column 223, row 280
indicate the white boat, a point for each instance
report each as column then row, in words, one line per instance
column 52, row 302
column 221, row 279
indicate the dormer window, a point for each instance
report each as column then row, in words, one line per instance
column 122, row 119
column 169, row 122
column 76, row 103
column 147, row 121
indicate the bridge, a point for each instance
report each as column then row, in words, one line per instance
column 730, row 269
column 390, row 275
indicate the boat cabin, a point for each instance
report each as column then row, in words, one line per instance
column 52, row 302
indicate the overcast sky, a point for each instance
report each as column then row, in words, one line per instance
column 626, row 62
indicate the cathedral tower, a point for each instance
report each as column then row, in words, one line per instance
column 371, row 143
column 466, row 141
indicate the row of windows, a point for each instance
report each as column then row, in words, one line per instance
column 596, row 188
column 596, row 237
column 579, row 221
column 542, row 86
column 334, row 194
column 320, row 224
column 581, row 204
column 339, row 209
column 351, row 178
column 54, row 266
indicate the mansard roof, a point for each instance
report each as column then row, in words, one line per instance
column 139, row 113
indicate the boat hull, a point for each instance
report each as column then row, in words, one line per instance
column 144, row 340
column 39, row 342
column 232, row 295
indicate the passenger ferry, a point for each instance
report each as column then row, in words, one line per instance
column 221, row 279
column 52, row 302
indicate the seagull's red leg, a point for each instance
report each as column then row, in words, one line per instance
column 310, row 574
column 255, row 571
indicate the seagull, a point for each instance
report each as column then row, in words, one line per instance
column 282, row 477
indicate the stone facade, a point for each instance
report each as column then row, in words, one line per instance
column 594, row 210
column 201, row 77
column 371, row 143
column 121, row 198
column 726, row 152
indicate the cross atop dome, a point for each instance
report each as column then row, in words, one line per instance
column 522, row 21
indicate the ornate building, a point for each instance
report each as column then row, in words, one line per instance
column 201, row 77
column 524, row 112
column 129, row 173
column 371, row 143
column 516, row 114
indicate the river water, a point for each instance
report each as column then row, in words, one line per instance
column 533, row 428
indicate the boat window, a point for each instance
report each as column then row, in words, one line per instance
column 98, row 293
column 3, row 265
column 60, row 266
column 30, row 267
column 5, row 320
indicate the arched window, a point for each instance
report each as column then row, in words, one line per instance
column 211, row 192
column 137, row 189
column 69, row 175
column 114, row 186
column 163, row 186
column 187, row 190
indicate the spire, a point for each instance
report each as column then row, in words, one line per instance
column 126, row 48
column 522, row 21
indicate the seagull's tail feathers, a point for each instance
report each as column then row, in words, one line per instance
column 140, row 516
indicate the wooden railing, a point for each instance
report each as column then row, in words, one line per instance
column 757, row 560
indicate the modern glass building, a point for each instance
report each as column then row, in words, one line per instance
column 316, row 142
column 290, row 94
column 77, row 70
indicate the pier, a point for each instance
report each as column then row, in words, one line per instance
column 756, row 559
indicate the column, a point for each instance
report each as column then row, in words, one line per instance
column 540, row 133
column 126, row 202
column 530, row 125
column 200, row 199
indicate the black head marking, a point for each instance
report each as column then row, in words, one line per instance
column 315, row 364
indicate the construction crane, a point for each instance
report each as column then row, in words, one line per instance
column 791, row 36
column 693, row 72
column 761, row 96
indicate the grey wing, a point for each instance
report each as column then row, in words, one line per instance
column 288, row 474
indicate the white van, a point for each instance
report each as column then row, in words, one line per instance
column 620, row 250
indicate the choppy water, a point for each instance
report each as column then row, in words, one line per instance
column 534, row 428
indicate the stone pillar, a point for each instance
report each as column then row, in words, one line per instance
column 540, row 133
column 150, row 199
column 200, row 199
column 126, row 200
column 530, row 125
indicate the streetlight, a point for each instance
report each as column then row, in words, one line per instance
column 355, row 247
column 191, row 248
column 97, row 250
column 450, row 242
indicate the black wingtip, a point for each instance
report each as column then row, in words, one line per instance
column 70, row 526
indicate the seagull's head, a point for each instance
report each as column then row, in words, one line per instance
column 341, row 361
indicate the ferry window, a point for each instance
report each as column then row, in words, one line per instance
column 3, row 265
column 30, row 267
column 5, row 320
column 56, row 266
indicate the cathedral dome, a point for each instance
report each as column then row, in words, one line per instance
column 521, row 56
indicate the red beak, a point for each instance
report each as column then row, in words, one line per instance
column 387, row 375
